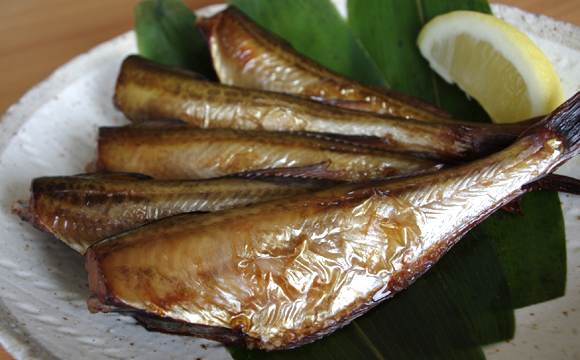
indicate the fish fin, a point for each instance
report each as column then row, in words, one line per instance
column 156, row 221
column 555, row 182
column 115, row 176
column 173, row 217
column 20, row 209
column 205, row 25
column 162, row 124
column 312, row 171
column 138, row 61
column 427, row 170
column 93, row 166
column 419, row 172
column 514, row 206
column 360, row 140
column 564, row 122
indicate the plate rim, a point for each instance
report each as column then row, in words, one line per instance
column 14, row 337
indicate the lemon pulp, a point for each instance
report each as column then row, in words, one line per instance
column 493, row 62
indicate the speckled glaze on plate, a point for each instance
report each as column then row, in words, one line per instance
column 43, row 284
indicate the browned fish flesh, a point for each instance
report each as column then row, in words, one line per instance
column 244, row 54
column 82, row 209
column 283, row 273
column 148, row 91
column 170, row 149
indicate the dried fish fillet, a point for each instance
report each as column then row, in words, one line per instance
column 169, row 149
column 82, row 209
column 246, row 55
column 148, row 91
column 284, row 273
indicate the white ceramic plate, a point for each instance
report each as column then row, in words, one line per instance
column 43, row 285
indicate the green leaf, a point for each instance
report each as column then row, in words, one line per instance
column 389, row 29
column 316, row 29
column 533, row 248
column 477, row 281
column 166, row 33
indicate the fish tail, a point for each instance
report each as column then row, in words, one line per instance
column 20, row 209
column 564, row 122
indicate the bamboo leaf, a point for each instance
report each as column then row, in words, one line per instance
column 166, row 33
column 389, row 29
column 476, row 277
column 533, row 248
column 315, row 29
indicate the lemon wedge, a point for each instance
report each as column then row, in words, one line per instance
column 494, row 63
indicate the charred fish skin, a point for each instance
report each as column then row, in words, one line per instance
column 173, row 150
column 244, row 54
column 83, row 209
column 148, row 91
column 283, row 273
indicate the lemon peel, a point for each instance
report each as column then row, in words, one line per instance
column 493, row 62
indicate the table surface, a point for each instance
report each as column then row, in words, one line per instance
column 38, row 36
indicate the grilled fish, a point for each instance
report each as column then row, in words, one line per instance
column 170, row 149
column 246, row 55
column 284, row 273
column 148, row 91
column 82, row 209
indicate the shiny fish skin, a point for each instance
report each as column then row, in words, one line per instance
column 246, row 55
column 82, row 209
column 148, row 91
column 174, row 150
column 283, row 273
